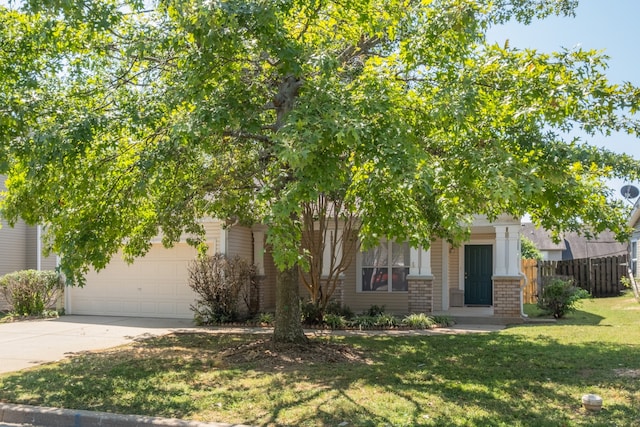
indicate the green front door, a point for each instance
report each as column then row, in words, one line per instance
column 478, row 269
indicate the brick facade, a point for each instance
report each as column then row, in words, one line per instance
column 506, row 296
column 420, row 294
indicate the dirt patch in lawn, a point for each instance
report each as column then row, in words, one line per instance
column 266, row 354
column 627, row 373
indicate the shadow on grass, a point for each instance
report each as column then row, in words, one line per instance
column 477, row 380
column 485, row 379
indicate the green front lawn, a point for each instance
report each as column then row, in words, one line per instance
column 530, row 375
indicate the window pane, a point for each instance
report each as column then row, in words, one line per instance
column 401, row 254
column 375, row 279
column 375, row 257
column 399, row 279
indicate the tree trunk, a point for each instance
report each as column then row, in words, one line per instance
column 288, row 326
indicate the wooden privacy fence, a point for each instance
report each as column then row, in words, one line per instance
column 530, row 290
column 600, row 276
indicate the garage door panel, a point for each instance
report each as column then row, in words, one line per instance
column 154, row 286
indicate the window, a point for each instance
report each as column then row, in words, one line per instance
column 385, row 268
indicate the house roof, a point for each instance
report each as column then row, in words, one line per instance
column 541, row 238
column 575, row 246
column 603, row 245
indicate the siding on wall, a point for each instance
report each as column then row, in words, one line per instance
column 269, row 283
column 394, row 302
column 46, row 263
column 212, row 235
column 240, row 243
column 31, row 248
column 13, row 250
column 13, row 247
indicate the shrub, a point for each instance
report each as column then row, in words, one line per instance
column 560, row 297
column 442, row 321
column 363, row 321
column 375, row 310
column 30, row 292
column 335, row 321
column 266, row 319
column 387, row 320
column 418, row 321
column 334, row 307
column 311, row 313
column 221, row 284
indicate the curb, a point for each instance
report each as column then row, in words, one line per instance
column 54, row 417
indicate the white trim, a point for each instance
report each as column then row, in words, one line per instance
column 513, row 250
column 420, row 261
column 224, row 239
column 390, row 286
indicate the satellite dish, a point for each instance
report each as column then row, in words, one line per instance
column 629, row 191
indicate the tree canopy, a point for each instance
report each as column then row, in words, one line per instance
column 122, row 119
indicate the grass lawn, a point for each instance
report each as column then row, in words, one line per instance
column 530, row 375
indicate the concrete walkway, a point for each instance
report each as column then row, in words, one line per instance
column 30, row 343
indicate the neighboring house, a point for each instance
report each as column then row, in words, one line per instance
column 572, row 245
column 480, row 278
column 550, row 250
column 19, row 247
column 634, row 222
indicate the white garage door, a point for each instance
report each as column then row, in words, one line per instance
column 153, row 286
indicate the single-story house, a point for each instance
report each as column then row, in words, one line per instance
column 572, row 245
column 480, row 278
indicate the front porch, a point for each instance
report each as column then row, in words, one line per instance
column 477, row 316
column 478, row 282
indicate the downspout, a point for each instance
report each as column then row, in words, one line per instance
column 38, row 247
column 526, row 283
column 66, row 294
column 524, row 276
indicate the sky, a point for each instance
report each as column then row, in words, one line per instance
column 608, row 25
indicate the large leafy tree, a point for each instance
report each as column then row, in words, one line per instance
column 125, row 118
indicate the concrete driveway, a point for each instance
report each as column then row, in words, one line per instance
column 30, row 343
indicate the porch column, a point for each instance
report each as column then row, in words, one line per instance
column 420, row 281
column 506, row 277
column 258, row 296
column 501, row 250
column 513, row 250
